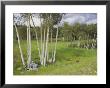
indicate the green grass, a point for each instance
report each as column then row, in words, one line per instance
column 69, row 61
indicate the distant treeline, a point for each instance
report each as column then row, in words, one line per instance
column 66, row 32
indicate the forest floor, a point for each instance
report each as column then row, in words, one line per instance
column 69, row 61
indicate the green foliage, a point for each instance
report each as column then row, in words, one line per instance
column 55, row 17
column 22, row 30
column 88, row 44
column 79, row 31
column 85, row 34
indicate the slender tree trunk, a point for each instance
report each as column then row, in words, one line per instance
column 29, row 44
column 37, row 39
column 20, row 46
column 47, row 54
column 29, row 41
column 51, row 46
column 41, row 60
column 55, row 45
column 46, row 48
column 43, row 51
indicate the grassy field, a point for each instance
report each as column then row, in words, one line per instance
column 69, row 61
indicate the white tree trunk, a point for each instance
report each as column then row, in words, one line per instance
column 43, row 49
column 47, row 54
column 52, row 50
column 41, row 60
column 20, row 46
column 55, row 45
column 36, row 39
column 46, row 48
column 29, row 41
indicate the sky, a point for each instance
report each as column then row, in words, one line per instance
column 83, row 18
column 72, row 18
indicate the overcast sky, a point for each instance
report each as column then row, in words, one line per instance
column 86, row 18
column 72, row 18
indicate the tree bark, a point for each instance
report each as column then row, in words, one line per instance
column 46, row 48
column 20, row 46
column 37, row 39
column 41, row 60
column 43, row 51
column 29, row 41
column 55, row 45
column 52, row 50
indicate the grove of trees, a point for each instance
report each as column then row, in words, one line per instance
column 48, row 21
column 50, row 32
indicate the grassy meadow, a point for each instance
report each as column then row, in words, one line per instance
column 69, row 60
